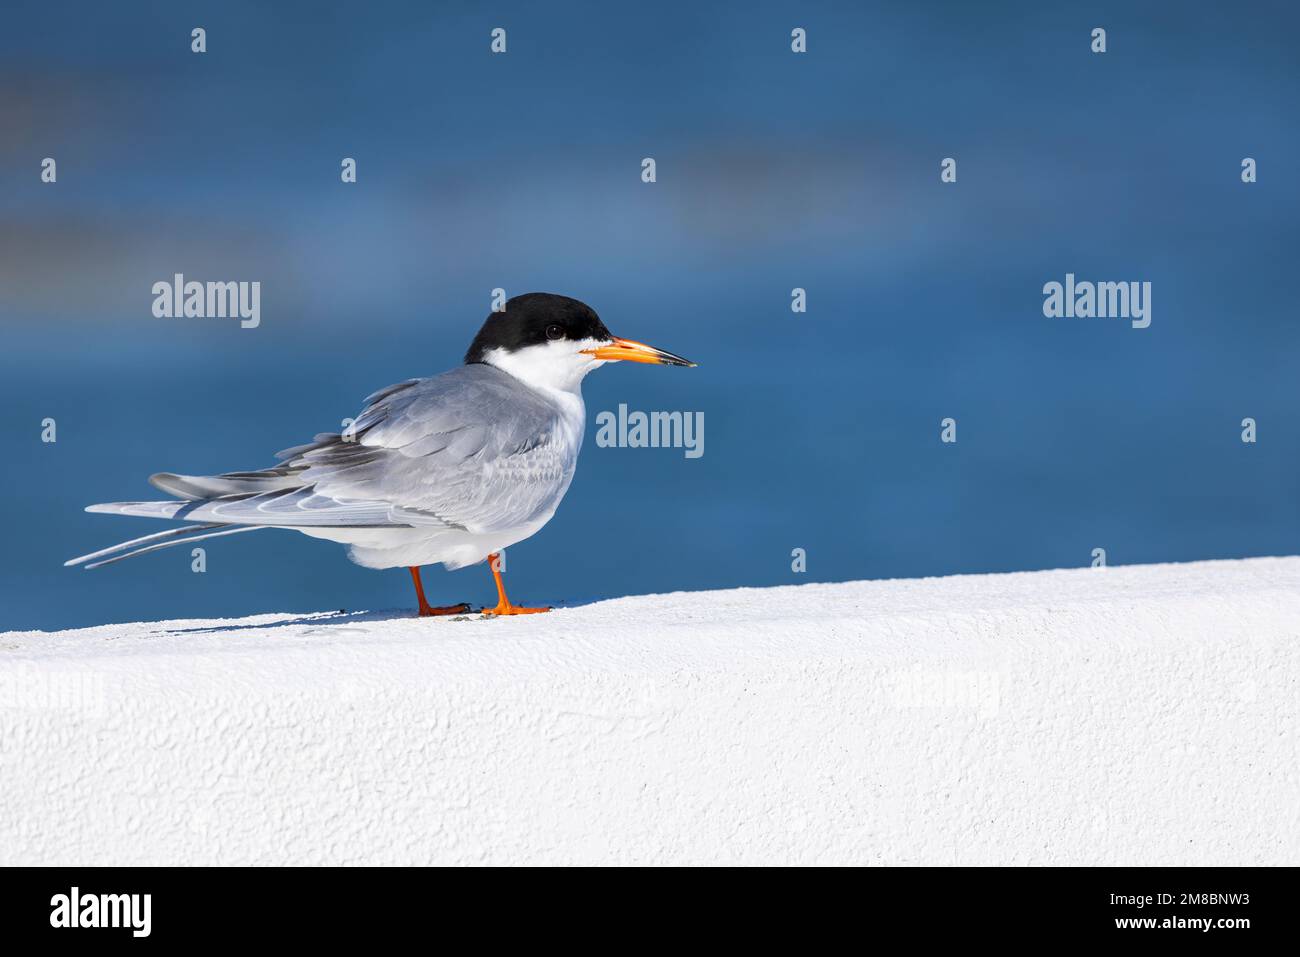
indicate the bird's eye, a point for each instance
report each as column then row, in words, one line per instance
column 554, row 332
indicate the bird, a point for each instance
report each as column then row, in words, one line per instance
column 450, row 469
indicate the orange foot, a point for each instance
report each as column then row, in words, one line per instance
column 505, row 608
column 503, row 603
column 428, row 611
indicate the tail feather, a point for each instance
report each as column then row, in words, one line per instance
column 197, row 496
column 232, row 483
column 174, row 509
column 223, row 530
column 299, row 507
column 142, row 540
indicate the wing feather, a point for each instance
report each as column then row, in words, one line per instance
column 471, row 449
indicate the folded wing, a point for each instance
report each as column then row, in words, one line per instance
column 470, row 449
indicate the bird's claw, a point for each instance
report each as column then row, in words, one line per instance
column 508, row 609
column 430, row 611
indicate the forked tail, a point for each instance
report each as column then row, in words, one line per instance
column 151, row 543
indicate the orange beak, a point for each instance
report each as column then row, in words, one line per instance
column 627, row 350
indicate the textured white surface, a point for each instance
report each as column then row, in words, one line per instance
column 1134, row 715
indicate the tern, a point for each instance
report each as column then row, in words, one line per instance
column 449, row 469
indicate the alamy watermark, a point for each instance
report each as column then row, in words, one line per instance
column 25, row 688
column 208, row 300
column 651, row 430
column 1102, row 300
column 129, row 911
column 977, row 691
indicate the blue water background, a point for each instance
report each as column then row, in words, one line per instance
column 774, row 170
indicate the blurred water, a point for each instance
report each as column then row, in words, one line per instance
column 774, row 171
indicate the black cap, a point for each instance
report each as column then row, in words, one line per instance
column 535, row 318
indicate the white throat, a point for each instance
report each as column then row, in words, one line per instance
column 557, row 366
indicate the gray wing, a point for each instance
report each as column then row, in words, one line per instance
column 472, row 448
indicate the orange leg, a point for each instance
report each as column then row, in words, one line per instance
column 503, row 603
column 425, row 608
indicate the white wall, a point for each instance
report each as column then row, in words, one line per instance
column 1140, row 715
